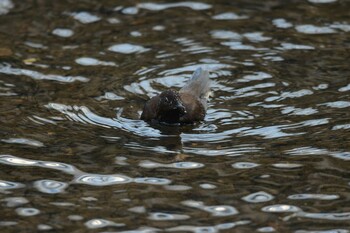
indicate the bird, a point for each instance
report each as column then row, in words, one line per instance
column 186, row 106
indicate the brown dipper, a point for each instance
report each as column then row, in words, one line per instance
column 187, row 105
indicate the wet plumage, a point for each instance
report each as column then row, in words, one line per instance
column 187, row 105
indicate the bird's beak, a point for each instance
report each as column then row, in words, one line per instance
column 181, row 108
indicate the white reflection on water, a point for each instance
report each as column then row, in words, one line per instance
column 215, row 210
column 8, row 69
column 100, row 223
column 127, row 48
column 63, row 32
column 85, row 17
column 51, row 186
column 162, row 6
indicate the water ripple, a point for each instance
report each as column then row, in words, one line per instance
column 8, row 69
column 100, row 223
column 26, row 212
column 245, row 165
column 217, row 210
column 307, row 196
column 5, row 6
column 127, row 48
column 324, row 216
column 102, row 180
column 25, row 141
column 229, row 16
column 89, row 61
column 162, row 6
column 50, row 186
column 63, row 32
column 10, row 185
column 179, row 165
column 258, row 197
column 15, row 201
column 152, row 180
column 281, row 208
column 207, row 229
column 84, row 115
column 85, row 17
column 159, row 216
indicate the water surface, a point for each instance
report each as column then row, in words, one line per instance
column 271, row 156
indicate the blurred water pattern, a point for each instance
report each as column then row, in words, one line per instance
column 271, row 156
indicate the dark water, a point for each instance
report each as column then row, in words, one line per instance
column 272, row 155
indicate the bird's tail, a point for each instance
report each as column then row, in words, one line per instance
column 198, row 85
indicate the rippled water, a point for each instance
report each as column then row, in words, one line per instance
column 271, row 156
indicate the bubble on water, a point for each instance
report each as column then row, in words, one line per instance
column 50, row 186
column 27, row 211
column 229, row 16
column 258, row 197
column 159, row 216
column 100, row 223
column 215, row 210
column 127, row 48
column 152, row 180
column 63, row 32
column 221, row 210
column 244, row 165
column 12, row 160
column 280, row 208
column 102, row 180
column 9, row 185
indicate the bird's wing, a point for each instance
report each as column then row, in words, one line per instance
column 198, row 86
